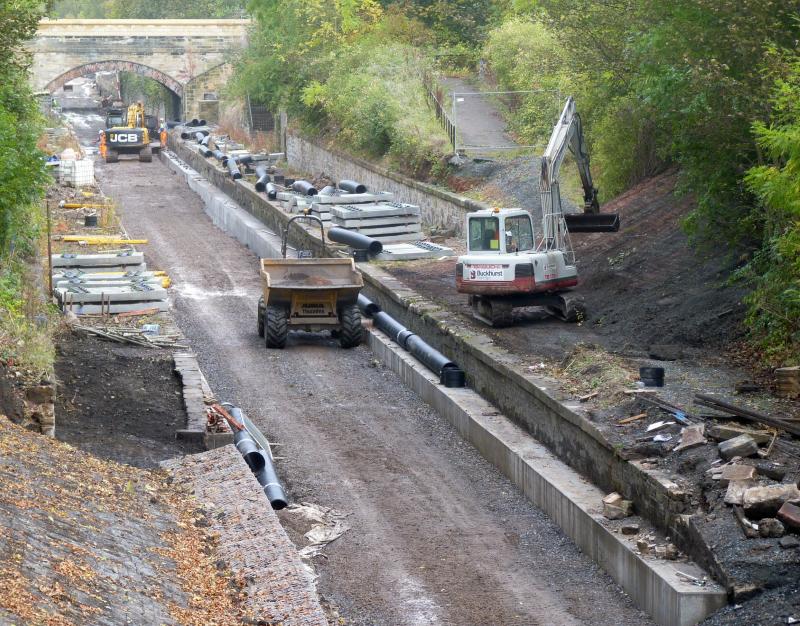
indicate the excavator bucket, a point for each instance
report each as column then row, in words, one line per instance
column 592, row 222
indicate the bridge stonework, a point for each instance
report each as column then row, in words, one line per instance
column 192, row 58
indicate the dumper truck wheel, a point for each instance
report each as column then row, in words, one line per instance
column 146, row 155
column 261, row 309
column 112, row 156
column 351, row 331
column 276, row 327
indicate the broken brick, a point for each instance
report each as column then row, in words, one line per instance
column 736, row 489
column 789, row 514
column 731, row 473
column 765, row 501
column 691, row 436
column 616, row 507
column 743, row 446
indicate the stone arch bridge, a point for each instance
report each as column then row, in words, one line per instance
column 191, row 58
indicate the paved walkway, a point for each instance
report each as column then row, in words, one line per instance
column 478, row 120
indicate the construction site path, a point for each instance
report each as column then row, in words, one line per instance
column 437, row 536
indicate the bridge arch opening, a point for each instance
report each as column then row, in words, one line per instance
column 175, row 88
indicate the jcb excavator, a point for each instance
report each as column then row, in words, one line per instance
column 507, row 266
column 129, row 137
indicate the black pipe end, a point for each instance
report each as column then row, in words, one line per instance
column 453, row 377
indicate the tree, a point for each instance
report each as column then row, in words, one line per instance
column 22, row 175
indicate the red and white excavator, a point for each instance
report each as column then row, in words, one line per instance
column 508, row 266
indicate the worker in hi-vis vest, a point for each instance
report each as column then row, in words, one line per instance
column 103, row 144
column 162, row 134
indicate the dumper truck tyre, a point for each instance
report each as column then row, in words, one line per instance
column 276, row 327
column 351, row 330
column 261, row 313
column 112, row 156
column 146, row 154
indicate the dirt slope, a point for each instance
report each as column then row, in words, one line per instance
column 643, row 286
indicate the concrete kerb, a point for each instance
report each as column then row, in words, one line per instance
column 572, row 502
column 524, row 399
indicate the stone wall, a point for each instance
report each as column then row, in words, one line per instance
column 440, row 208
column 183, row 55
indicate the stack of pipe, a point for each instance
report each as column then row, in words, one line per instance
column 260, row 463
column 450, row 375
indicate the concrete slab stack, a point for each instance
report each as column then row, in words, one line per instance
column 106, row 283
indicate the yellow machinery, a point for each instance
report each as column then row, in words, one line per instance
column 130, row 138
column 309, row 294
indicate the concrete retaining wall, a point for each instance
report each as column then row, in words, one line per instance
column 559, row 423
column 440, row 208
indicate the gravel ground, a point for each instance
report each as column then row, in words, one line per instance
column 436, row 534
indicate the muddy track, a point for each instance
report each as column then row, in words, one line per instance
column 437, row 535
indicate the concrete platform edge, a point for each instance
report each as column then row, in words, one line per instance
column 545, row 482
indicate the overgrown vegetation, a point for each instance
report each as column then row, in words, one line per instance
column 350, row 71
column 22, row 182
column 682, row 82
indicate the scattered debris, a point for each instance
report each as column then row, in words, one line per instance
column 736, row 473
column 691, row 436
column 771, row 470
column 132, row 335
column 658, row 426
column 723, row 432
column 630, row 529
column 742, row 446
column 769, row 527
column 589, row 396
column 662, row 438
column 700, row 582
column 616, row 507
column 789, row 514
column 671, row 552
column 736, row 489
column 643, row 546
column 764, row 501
column 789, row 542
column 747, row 414
column 327, row 526
column 750, row 530
column 632, row 418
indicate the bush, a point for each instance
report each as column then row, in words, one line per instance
column 524, row 55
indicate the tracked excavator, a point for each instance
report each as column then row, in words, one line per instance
column 130, row 136
column 507, row 265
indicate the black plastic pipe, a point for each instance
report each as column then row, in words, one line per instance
column 327, row 190
column 272, row 191
column 304, row 187
column 351, row 186
column 218, row 155
column 249, row 449
column 244, row 159
column 449, row 373
column 269, row 481
column 357, row 241
column 205, row 141
column 260, row 463
column 205, row 151
column 234, row 169
column 263, row 177
column 199, row 136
